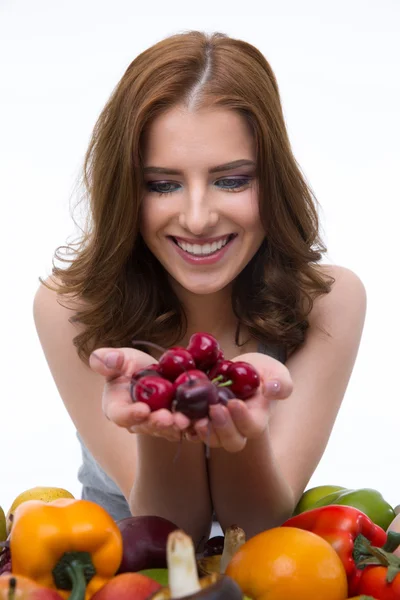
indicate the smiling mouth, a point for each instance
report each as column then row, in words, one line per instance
column 206, row 249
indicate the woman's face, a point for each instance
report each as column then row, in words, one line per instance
column 200, row 215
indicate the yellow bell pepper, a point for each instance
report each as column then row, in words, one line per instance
column 72, row 546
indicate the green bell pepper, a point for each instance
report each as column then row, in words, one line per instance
column 367, row 500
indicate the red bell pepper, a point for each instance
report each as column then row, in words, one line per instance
column 344, row 527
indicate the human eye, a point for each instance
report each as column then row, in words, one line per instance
column 162, row 187
column 233, row 184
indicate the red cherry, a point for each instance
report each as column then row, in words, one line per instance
column 192, row 375
column 245, row 379
column 149, row 370
column 204, row 348
column 155, row 391
column 175, row 361
column 220, row 368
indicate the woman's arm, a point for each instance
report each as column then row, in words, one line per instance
column 143, row 467
column 172, row 481
column 258, row 487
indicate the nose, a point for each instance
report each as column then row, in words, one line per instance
column 198, row 215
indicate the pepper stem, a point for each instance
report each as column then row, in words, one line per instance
column 72, row 572
column 365, row 554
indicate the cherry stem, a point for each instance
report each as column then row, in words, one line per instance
column 160, row 349
column 208, row 440
column 146, row 389
column 144, row 343
column 105, row 364
column 225, row 384
column 179, row 450
column 216, row 379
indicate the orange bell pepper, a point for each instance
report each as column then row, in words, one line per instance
column 72, row 546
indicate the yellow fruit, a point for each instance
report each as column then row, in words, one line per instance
column 311, row 496
column 286, row 563
column 3, row 530
column 46, row 494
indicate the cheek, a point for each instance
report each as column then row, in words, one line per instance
column 245, row 210
column 152, row 216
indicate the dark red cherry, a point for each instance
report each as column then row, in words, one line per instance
column 204, row 348
column 191, row 375
column 175, row 361
column 193, row 399
column 245, row 379
column 155, row 391
column 224, row 395
column 220, row 368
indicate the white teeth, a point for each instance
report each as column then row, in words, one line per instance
column 202, row 249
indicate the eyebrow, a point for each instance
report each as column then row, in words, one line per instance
column 226, row 167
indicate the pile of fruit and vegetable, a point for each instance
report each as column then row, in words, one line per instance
column 339, row 543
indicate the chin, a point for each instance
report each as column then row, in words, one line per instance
column 203, row 288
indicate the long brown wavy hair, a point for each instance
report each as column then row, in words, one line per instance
column 123, row 291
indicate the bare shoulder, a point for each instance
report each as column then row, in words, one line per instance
column 51, row 310
column 344, row 279
column 46, row 297
column 80, row 388
column 346, row 300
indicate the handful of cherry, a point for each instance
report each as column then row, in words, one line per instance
column 191, row 379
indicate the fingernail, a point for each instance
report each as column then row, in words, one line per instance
column 272, row 387
column 218, row 416
column 112, row 359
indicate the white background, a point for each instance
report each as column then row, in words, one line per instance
column 337, row 65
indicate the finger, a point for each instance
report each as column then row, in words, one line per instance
column 168, row 433
column 161, row 419
column 250, row 424
column 206, row 433
column 192, row 437
column 276, row 381
column 162, row 424
column 181, row 421
column 124, row 413
column 113, row 362
column 229, row 436
column 276, row 389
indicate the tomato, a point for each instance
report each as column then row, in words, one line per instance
column 362, row 598
column 288, row 563
column 18, row 587
column 373, row 582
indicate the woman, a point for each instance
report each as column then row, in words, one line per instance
column 199, row 220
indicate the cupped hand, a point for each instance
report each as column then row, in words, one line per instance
column 117, row 366
column 230, row 426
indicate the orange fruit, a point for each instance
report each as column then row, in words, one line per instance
column 288, row 563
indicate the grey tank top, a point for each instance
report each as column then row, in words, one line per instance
column 98, row 487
